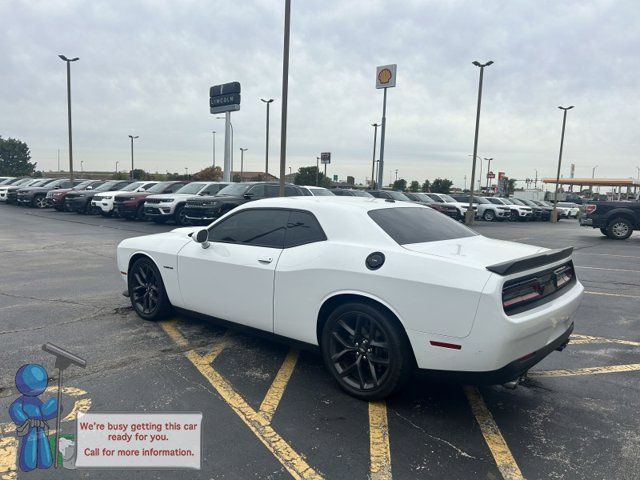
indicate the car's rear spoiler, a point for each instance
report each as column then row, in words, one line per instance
column 532, row 261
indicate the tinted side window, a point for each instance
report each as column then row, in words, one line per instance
column 376, row 194
column 258, row 191
column 293, row 191
column 212, row 189
column 303, row 228
column 260, row 227
column 417, row 225
column 174, row 188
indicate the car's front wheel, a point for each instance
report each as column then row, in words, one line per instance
column 367, row 354
column 619, row 229
column 40, row 201
column 180, row 216
column 489, row 215
column 146, row 290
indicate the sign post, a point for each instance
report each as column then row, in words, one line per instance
column 385, row 78
column 225, row 99
column 325, row 158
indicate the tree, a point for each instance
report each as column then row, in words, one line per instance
column 415, row 186
column 426, row 186
column 512, row 186
column 237, row 178
column 139, row 174
column 441, row 185
column 308, row 175
column 14, row 158
column 400, row 185
column 209, row 174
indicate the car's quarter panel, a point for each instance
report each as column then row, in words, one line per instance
column 230, row 281
column 162, row 248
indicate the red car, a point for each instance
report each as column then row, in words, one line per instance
column 424, row 199
column 55, row 198
column 130, row 205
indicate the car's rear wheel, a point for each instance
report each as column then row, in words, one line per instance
column 146, row 290
column 489, row 215
column 367, row 354
column 619, row 229
column 39, row 201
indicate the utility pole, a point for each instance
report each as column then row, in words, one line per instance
column 285, row 93
column 469, row 214
column 132, row 167
column 242, row 150
column 213, row 154
column 68, row 61
column 373, row 161
column 317, row 171
column 266, row 151
column 554, row 213
column 535, row 185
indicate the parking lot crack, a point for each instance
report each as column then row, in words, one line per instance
column 441, row 440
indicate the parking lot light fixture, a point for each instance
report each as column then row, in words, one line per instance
column 469, row 215
column 68, row 61
column 554, row 213
column 593, row 171
column 242, row 150
column 132, row 137
column 285, row 93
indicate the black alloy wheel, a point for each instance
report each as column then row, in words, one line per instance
column 365, row 352
column 180, row 216
column 146, row 290
column 39, row 201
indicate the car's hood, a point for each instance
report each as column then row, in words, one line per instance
column 109, row 194
column 172, row 196
column 477, row 250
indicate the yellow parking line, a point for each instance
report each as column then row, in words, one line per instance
column 582, row 339
column 289, row 458
column 609, row 269
column 605, row 255
column 606, row 294
column 276, row 390
column 499, row 448
column 379, row 441
column 586, row 371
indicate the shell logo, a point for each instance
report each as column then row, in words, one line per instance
column 384, row 76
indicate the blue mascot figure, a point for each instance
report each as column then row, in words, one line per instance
column 30, row 415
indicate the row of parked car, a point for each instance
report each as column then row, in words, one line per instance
column 200, row 202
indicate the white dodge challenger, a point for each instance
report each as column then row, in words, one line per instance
column 382, row 287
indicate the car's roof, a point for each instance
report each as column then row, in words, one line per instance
column 324, row 203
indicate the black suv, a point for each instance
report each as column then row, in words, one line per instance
column 204, row 210
column 37, row 196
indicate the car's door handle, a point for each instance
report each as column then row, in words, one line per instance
column 265, row 259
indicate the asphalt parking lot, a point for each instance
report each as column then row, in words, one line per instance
column 273, row 412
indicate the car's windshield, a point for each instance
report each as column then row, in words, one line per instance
column 105, row 187
column 418, row 225
column 235, row 189
column 496, row 201
column 8, row 181
column 399, row 196
column 448, row 198
column 133, row 186
column 517, row 201
column 508, row 201
column 360, row 193
column 41, row 182
column 481, row 200
column 321, row 192
column 159, row 187
column 423, row 197
column 23, row 181
column 191, row 188
column 83, row 185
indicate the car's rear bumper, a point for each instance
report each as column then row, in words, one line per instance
column 509, row 372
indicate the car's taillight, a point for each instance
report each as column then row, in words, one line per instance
column 521, row 293
column 590, row 208
column 517, row 294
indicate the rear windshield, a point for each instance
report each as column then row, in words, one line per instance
column 418, row 224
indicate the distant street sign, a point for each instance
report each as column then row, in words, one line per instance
column 386, row 76
column 491, row 175
column 224, row 98
column 325, row 158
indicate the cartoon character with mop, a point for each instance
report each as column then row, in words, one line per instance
column 30, row 414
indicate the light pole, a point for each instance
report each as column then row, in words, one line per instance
column 213, row 153
column 69, row 60
column 289, row 170
column 535, row 185
column 242, row 150
column 593, row 171
column 285, row 93
column 81, row 166
column 232, row 135
column 117, row 162
column 554, row 213
column 317, row 171
column 266, row 150
column 373, row 161
column 396, row 174
column 488, row 170
column 469, row 214
column 132, row 138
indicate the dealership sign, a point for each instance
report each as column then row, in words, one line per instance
column 386, row 76
column 224, row 98
column 325, row 158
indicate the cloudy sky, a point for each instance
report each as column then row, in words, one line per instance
column 146, row 66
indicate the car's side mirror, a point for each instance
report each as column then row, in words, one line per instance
column 201, row 237
column 89, row 187
column 248, row 195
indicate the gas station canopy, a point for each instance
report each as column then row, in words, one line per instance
column 596, row 182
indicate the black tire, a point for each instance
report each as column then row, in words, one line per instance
column 140, row 215
column 84, row 210
column 619, row 229
column 106, row 214
column 179, row 217
column 146, row 291
column 514, row 216
column 365, row 351
column 39, row 201
column 159, row 220
column 489, row 215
